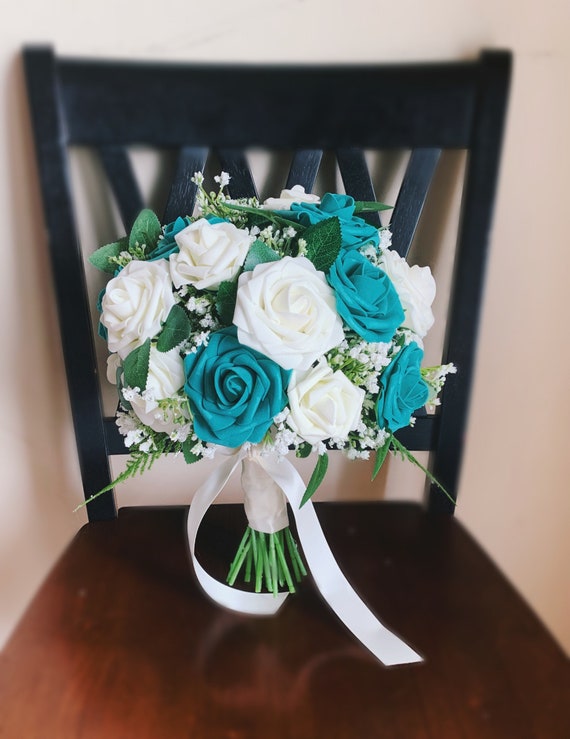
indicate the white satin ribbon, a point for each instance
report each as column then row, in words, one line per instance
column 331, row 582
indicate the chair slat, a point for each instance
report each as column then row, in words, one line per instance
column 304, row 168
column 182, row 194
column 411, row 198
column 410, row 108
column 356, row 178
column 235, row 163
column 119, row 171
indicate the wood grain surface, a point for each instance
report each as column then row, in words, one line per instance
column 121, row 642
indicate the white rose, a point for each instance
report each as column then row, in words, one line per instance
column 209, row 254
column 165, row 378
column 416, row 289
column 136, row 303
column 296, row 194
column 287, row 311
column 323, row 404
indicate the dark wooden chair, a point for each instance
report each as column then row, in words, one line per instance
column 120, row 641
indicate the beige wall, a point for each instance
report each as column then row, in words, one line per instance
column 514, row 495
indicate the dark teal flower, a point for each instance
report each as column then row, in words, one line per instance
column 234, row 391
column 167, row 245
column 366, row 298
column 402, row 389
column 354, row 230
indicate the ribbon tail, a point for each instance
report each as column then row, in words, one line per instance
column 331, row 582
column 257, row 604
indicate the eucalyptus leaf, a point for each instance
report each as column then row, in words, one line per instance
column 226, row 300
column 316, row 478
column 370, row 206
column 176, row 329
column 136, row 366
column 323, row 243
column 259, row 253
column 100, row 257
column 145, row 231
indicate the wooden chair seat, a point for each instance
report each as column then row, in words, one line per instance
column 121, row 642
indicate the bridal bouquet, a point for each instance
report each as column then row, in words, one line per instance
column 263, row 330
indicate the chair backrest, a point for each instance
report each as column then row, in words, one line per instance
column 198, row 110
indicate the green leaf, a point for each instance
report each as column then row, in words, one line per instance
column 316, row 478
column 176, row 329
column 323, row 243
column 135, row 366
column 189, row 456
column 381, row 453
column 406, row 454
column 370, row 206
column 100, row 258
column 259, row 253
column 146, row 230
column 226, row 301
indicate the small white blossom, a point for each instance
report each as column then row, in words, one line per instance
column 385, row 239
column 223, row 179
column 199, row 305
column 130, row 393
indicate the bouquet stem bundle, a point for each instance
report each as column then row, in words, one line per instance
column 268, row 559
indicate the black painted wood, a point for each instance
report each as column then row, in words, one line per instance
column 182, row 194
column 119, row 171
column 411, row 198
column 46, row 108
column 413, row 105
column 472, row 250
column 227, row 110
column 241, row 184
column 304, row 168
column 356, row 178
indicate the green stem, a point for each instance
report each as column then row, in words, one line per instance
column 283, row 563
column 239, row 558
column 273, row 560
column 268, row 214
column 401, row 449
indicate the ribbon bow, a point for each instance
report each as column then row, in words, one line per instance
column 332, row 584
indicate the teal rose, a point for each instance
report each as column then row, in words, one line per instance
column 402, row 389
column 234, row 391
column 355, row 232
column 366, row 299
column 167, row 244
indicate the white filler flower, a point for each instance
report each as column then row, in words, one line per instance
column 209, row 254
column 287, row 311
column 416, row 289
column 324, row 404
column 136, row 303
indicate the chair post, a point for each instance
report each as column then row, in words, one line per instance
column 472, row 249
column 69, row 278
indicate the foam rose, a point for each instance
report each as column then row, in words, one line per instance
column 287, row 311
